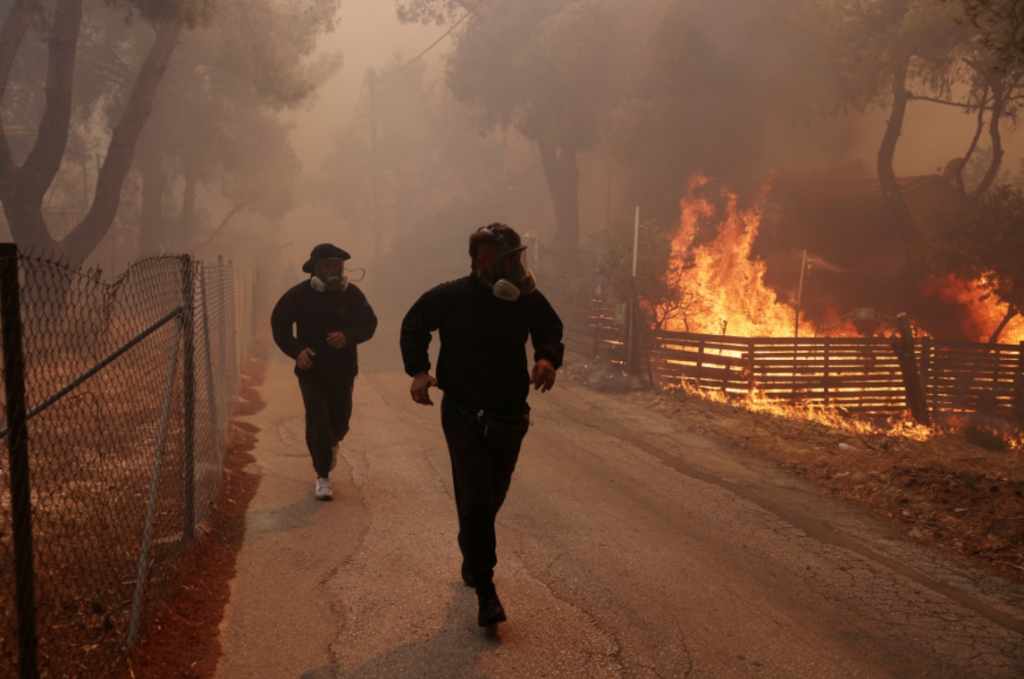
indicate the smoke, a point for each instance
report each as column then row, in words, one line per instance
column 744, row 91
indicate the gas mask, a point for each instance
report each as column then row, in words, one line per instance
column 329, row 275
column 517, row 281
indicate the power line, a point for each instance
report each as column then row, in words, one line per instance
column 432, row 46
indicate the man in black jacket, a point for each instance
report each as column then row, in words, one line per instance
column 483, row 322
column 331, row 317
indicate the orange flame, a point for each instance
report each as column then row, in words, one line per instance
column 985, row 311
column 730, row 296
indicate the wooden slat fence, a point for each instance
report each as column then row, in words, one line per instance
column 859, row 374
column 593, row 326
column 856, row 373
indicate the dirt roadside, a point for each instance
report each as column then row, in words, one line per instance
column 182, row 640
column 961, row 492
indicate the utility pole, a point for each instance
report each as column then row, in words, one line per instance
column 799, row 295
column 631, row 308
column 378, row 237
column 608, row 200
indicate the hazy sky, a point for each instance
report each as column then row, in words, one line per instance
column 368, row 34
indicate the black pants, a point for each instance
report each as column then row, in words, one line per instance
column 328, row 410
column 484, row 450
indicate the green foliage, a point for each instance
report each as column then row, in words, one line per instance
column 984, row 241
column 658, row 273
column 191, row 13
column 1001, row 27
column 432, row 11
column 216, row 119
column 541, row 66
column 872, row 39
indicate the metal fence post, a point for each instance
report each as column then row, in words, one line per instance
column 135, row 621
column 189, row 394
column 17, row 447
column 214, row 399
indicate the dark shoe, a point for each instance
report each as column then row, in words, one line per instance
column 491, row 610
column 467, row 577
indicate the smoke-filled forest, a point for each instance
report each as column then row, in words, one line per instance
column 750, row 303
column 869, row 144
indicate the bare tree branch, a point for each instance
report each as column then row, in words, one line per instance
column 220, row 227
column 974, row 144
column 959, row 104
column 998, row 103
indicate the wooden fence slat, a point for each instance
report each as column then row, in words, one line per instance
column 859, row 374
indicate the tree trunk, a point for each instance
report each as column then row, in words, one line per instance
column 563, row 183
column 998, row 105
column 905, row 225
column 1011, row 312
column 22, row 189
column 84, row 238
column 152, row 238
column 16, row 23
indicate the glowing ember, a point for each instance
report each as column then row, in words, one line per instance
column 730, row 296
column 897, row 426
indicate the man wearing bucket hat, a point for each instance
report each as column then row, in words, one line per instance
column 330, row 317
column 483, row 321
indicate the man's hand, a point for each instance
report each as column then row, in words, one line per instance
column 420, row 389
column 336, row 339
column 305, row 359
column 543, row 377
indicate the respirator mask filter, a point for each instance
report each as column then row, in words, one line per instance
column 329, row 275
column 510, row 281
column 517, row 281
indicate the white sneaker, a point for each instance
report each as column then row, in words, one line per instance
column 323, row 490
column 334, row 455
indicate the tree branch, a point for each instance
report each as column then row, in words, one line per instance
column 223, row 223
column 84, row 237
column 43, row 162
column 904, row 220
column 998, row 104
column 974, row 144
column 958, row 104
column 1011, row 311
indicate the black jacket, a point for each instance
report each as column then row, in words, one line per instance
column 482, row 363
column 315, row 314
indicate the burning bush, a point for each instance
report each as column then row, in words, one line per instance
column 983, row 242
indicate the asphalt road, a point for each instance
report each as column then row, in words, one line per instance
column 628, row 547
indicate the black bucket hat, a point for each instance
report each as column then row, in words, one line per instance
column 324, row 251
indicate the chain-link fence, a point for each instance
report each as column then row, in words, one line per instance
column 116, row 399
